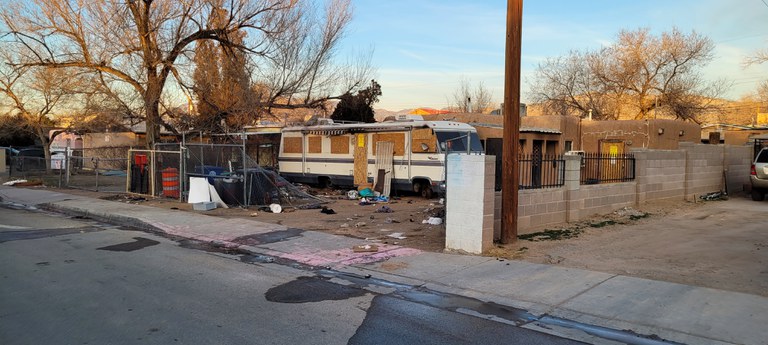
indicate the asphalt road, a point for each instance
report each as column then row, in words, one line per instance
column 74, row 281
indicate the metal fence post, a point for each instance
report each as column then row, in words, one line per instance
column 67, row 163
column 96, row 168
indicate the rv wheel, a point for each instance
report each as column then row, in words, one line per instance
column 324, row 182
column 426, row 190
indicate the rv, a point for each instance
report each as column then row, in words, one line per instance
column 411, row 158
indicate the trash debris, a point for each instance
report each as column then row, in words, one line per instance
column 397, row 235
column 327, row 210
column 366, row 193
column 441, row 201
column 11, row 183
column 275, row 208
column 384, row 209
column 379, row 198
column 364, row 202
column 714, row 196
column 344, row 225
column 365, row 248
column 390, row 220
column 204, row 206
column 254, row 214
column 359, row 224
column 352, row 194
column 433, row 221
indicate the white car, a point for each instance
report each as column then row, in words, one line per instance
column 759, row 175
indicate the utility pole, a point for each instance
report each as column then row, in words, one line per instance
column 511, row 142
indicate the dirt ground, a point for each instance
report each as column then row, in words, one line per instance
column 715, row 244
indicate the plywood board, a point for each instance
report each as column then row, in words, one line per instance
column 398, row 139
column 423, row 136
column 340, row 144
column 292, row 144
column 361, row 159
column 314, row 144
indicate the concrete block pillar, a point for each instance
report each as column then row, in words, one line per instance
column 470, row 200
column 573, row 202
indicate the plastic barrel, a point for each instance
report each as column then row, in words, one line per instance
column 170, row 182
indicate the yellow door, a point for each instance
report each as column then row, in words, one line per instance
column 612, row 168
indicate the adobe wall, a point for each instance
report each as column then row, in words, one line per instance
column 655, row 134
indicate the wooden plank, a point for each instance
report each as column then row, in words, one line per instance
column 426, row 137
column 398, row 139
column 292, row 145
column 340, row 144
column 361, row 159
column 314, row 144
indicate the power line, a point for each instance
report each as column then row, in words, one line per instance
column 765, row 3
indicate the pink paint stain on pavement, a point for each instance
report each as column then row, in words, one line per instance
column 345, row 257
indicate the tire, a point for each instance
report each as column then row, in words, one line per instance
column 426, row 190
column 758, row 195
column 324, row 182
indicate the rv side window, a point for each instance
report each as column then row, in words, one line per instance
column 457, row 142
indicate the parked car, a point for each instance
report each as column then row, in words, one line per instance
column 31, row 158
column 759, row 175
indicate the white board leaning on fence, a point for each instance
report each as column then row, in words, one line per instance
column 202, row 191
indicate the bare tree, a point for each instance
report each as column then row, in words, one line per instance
column 635, row 77
column 34, row 95
column 568, row 86
column 468, row 100
column 142, row 44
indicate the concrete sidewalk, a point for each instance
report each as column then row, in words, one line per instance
column 654, row 309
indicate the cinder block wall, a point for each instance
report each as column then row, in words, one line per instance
column 660, row 175
column 704, row 169
column 606, row 198
column 738, row 160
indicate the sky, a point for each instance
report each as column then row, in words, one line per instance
column 421, row 49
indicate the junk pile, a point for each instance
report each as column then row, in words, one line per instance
column 258, row 186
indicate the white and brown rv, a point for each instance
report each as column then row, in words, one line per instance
column 408, row 154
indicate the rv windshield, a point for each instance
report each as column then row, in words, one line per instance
column 457, row 142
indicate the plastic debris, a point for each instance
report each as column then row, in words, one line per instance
column 275, row 208
column 366, row 248
column 327, row 210
column 384, row 209
column 433, row 221
column 366, row 193
column 11, row 183
column 397, row 235
column 344, row 225
column 352, row 194
column 714, row 196
column 359, row 224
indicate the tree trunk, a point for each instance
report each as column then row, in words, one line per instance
column 152, row 109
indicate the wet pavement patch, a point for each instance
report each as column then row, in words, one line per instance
column 6, row 236
column 269, row 237
column 391, row 320
column 139, row 243
column 312, row 289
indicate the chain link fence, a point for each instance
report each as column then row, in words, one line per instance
column 235, row 175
